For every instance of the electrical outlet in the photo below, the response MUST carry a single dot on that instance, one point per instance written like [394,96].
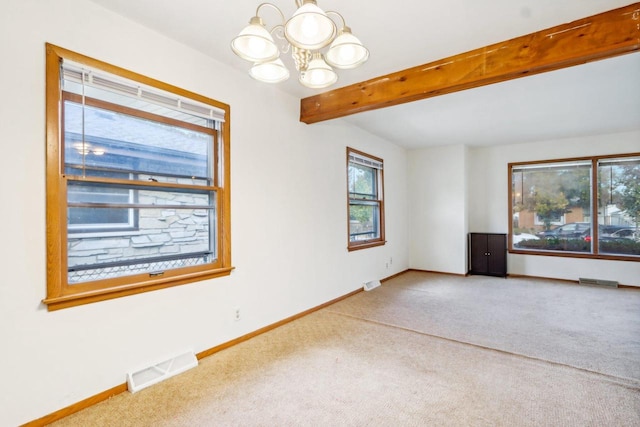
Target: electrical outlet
[390,260]
[387,265]
[236,313]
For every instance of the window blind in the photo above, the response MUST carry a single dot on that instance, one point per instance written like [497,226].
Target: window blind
[364,161]
[74,74]
[619,162]
[552,166]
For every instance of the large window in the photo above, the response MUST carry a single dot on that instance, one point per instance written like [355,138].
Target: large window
[365,195]
[137,183]
[580,207]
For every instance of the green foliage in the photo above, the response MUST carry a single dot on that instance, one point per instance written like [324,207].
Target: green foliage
[555,244]
[360,213]
[361,179]
[575,184]
[362,182]
[620,247]
[547,206]
[628,185]
[613,247]
[552,192]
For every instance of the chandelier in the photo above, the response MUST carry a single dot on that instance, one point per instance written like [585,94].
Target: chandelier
[307,32]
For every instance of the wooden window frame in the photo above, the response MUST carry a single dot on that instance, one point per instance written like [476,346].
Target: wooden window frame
[594,254]
[380,240]
[60,294]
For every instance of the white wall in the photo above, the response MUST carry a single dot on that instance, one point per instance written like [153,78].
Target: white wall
[286,177]
[488,202]
[289,216]
[438,209]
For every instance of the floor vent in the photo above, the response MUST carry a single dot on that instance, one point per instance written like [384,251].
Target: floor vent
[598,282]
[153,374]
[371,285]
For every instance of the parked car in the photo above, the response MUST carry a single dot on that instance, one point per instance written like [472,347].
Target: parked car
[605,232]
[572,230]
[623,234]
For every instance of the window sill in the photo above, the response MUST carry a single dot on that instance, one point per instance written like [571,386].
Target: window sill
[583,255]
[87,297]
[365,245]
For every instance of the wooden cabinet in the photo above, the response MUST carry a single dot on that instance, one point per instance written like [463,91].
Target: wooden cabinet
[488,254]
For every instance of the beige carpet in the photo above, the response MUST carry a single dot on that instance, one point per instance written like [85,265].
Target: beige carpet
[423,349]
[593,328]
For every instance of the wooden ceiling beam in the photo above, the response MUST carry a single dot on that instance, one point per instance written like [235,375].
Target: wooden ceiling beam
[597,37]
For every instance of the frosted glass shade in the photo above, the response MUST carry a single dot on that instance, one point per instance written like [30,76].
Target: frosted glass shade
[318,74]
[309,27]
[270,72]
[347,51]
[254,43]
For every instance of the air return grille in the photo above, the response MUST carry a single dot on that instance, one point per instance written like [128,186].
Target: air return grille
[371,285]
[156,372]
[598,282]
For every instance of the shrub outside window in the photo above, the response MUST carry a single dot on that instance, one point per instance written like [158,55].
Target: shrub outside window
[137,183]
[365,197]
[554,206]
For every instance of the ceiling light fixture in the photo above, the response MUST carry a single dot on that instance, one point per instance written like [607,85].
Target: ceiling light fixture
[307,32]
[85,149]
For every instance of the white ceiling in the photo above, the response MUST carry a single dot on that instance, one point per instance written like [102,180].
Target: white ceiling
[596,98]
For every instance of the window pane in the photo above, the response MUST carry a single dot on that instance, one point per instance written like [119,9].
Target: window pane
[364,221]
[83,219]
[166,228]
[118,141]
[176,225]
[167,238]
[362,182]
[551,207]
[619,206]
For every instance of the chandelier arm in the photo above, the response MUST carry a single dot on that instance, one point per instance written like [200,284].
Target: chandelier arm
[344,24]
[278,32]
[273,6]
[299,3]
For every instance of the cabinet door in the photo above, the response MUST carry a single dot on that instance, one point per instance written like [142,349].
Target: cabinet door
[478,253]
[497,255]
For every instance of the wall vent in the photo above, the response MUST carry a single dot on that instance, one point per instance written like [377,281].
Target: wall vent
[371,285]
[598,282]
[159,371]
